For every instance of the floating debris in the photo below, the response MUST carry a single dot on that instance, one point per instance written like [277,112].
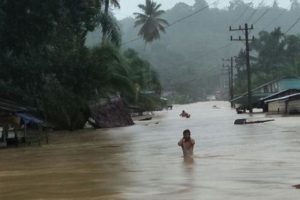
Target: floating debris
[146,119]
[246,121]
[297,186]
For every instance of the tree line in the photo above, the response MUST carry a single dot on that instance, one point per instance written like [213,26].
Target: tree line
[45,63]
[274,55]
[188,57]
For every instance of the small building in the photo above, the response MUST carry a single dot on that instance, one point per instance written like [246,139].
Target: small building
[276,96]
[266,90]
[289,104]
[18,126]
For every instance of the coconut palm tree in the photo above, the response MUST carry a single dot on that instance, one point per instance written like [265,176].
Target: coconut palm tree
[150,21]
[110,29]
[107,3]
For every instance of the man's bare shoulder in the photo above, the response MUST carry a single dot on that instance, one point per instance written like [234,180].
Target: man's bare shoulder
[180,142]
[192,141]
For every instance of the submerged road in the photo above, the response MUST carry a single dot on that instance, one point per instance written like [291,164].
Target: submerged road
[248,162]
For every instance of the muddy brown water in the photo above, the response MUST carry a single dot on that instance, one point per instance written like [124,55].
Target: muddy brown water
[257,161]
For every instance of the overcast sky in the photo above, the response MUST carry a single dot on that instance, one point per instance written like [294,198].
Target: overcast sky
[130,6]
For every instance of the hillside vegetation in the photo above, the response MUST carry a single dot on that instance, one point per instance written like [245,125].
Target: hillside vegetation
[188,58]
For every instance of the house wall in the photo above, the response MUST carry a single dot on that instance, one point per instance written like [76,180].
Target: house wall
[294,106]
[270,88]
[277,107]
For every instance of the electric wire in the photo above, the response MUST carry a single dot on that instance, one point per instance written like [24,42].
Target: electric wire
[262,15]
[274,20]
[243,13]
[176,21]
[254,12]
[292,26]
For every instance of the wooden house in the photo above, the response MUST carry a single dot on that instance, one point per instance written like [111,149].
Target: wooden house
[266,90]
[18,126]
[289,104]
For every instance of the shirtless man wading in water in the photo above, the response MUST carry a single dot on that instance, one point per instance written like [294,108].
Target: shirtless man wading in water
[187,143]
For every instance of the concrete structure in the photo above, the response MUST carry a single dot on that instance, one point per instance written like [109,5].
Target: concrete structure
[289,104]
[266,90]
[276,96]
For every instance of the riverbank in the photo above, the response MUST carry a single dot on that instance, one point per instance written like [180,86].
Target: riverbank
[144,162]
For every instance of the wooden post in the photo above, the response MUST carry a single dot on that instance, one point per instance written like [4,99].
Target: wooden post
[47,137]
[25,132]
[40,132]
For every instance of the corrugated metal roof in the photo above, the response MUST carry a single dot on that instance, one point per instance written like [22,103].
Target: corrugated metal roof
[285,98]
[263,85]
[281,92]
[29,119]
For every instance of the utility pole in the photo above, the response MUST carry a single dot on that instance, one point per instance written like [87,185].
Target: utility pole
[226,81]
[246,39]
[231,79]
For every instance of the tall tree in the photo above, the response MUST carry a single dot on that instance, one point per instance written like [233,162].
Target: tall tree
[150,21]
[107,3]
[275,4]
[295,5]
[200,4]
[44,62]
[110,29]
[237,4]
[270,48]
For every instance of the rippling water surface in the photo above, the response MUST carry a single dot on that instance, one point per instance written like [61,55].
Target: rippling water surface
[251,162]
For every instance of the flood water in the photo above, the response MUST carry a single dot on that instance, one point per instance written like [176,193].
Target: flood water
[249,162]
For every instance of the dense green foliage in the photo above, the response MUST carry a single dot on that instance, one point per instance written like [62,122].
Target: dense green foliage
[188,57]
[110,29]
[275,55]
[147,88]
[44,62]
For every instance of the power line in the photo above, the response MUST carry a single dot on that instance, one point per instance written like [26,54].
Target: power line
[274,20]
[190,15]
[215,50]
[176,21]
[208,53]
[130,41]
[291,27]
[262,15]
[243,13]
[277,17]
[204,55]
[254,12]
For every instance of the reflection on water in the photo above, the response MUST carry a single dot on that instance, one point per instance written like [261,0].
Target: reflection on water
[259,161]
[188,166]
[188,160]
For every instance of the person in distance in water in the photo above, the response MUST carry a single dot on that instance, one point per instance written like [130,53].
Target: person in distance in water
[187,143]
[185,114]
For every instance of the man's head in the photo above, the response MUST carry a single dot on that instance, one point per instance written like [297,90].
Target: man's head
[187,134]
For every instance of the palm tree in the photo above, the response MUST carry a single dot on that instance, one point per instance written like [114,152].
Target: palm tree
[110,29]
[114,3]
[150,21]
